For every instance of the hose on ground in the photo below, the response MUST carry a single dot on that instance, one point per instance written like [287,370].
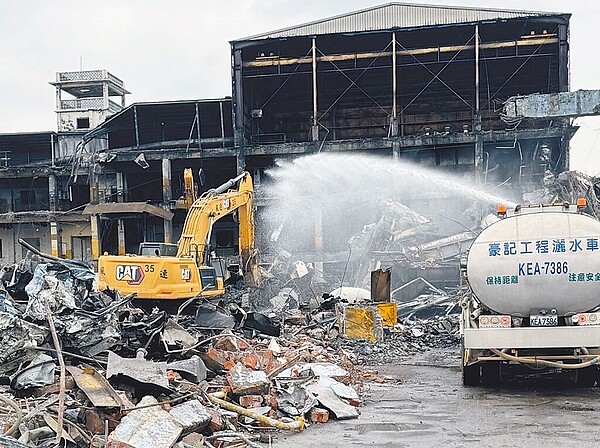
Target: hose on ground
[297,424]
[543,362]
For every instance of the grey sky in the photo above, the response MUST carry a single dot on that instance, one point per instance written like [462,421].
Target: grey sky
[179,49]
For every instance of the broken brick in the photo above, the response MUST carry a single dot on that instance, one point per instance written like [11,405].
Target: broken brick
[251,401]
[244,381]
[216,422]
[193,440]
[318,415]
[218,359]
[270,400]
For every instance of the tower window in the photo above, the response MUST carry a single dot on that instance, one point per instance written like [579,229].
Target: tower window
[83,123]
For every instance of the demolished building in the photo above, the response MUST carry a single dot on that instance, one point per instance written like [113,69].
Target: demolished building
[390,80]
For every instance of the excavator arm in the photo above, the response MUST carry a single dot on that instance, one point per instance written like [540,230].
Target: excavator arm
[189,190]
[212,206]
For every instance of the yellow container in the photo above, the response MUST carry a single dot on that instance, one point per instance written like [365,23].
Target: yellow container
[360,323]
[388,313]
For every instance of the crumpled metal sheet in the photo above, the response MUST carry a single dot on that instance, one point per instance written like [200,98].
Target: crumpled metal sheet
[8,442]
[175,334]
[331,401]
[40,372]
[148,427]
[325,369]
[315,369]
[207,316]
[286,299]
[7,304]
[139,369]
[194,366]
[45,291]
[89,333]
[340,389]
[295,400]
[15,334]
[52,423]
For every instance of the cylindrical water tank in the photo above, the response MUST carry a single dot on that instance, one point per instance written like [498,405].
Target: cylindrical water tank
[543,260]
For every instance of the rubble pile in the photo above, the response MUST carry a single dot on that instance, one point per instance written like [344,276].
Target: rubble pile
[92,369]
[429,320]
[568,186]
[409,338]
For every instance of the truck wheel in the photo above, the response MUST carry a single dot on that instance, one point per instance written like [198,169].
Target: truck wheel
[471,375]
[490,373]
[586,377]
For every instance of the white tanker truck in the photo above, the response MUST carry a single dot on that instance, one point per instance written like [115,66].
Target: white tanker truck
[531,295]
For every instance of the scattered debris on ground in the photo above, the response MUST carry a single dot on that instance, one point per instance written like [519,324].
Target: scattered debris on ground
[95,369]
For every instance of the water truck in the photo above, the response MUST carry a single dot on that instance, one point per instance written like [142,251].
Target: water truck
[530,295]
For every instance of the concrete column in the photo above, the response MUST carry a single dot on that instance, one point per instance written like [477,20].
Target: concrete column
[237,107]
[477,129]
[222,125]
[396,151]
[94,189]
[199,129]
[54,238]
[477,111]
[564,152]
[563,58]
[240,160]
[58,108]
[563,86]
[478,155]
[166,184]
[120,187]
[53,149]
[121,236]
[52,192]
[58,98]
[137,129]
[394,119]
[94,223]
[315,125]
[105,95]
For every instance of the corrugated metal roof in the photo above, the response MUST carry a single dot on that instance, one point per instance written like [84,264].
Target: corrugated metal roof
[395,16]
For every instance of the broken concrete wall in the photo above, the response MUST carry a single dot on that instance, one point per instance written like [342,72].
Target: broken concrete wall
[37,234]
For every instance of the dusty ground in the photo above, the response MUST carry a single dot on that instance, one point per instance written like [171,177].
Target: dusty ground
[429,407]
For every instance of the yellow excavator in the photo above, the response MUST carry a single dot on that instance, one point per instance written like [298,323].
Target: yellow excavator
[182,271]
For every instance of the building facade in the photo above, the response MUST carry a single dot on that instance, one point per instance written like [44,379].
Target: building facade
[408,82]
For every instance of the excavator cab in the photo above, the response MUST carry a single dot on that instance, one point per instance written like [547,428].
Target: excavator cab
[150,249]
